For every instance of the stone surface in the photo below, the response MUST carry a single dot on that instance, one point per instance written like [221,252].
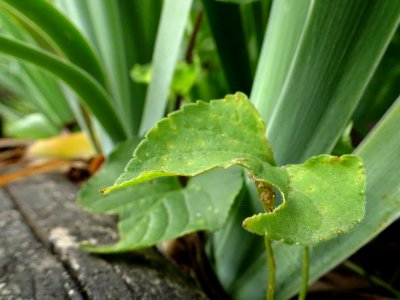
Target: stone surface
[43,224]
[27,269]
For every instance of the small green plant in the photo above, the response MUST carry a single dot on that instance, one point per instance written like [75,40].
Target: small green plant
[310,70]
[321,198]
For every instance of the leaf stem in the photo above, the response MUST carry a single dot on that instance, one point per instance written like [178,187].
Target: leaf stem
[304,275]
[271,269]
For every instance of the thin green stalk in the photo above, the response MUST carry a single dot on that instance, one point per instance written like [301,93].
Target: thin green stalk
[267,198]
[271,269]
[304,275]
[372,279]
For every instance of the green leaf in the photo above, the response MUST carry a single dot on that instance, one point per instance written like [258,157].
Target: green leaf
[141,73]
[316,83]
[107,27]
[237,1]
[91,93]
[380,152]
[227,29]
[344,145]
[183,80]
[169,39]
[315,194]
[61,31]
[200,137]
[326,198]
[184,77]
[34,126]
[289,24]
[160,210]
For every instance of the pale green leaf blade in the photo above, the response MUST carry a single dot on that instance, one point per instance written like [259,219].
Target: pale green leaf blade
[174,17]
[328,73]
[281,39]
[41,87]
[160,210]
[201,137]
[106,23]
[61,33]
[326,198]
[90,91]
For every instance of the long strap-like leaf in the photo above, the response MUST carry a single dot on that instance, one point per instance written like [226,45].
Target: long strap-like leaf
[169,38]
[61,32]
[91,93]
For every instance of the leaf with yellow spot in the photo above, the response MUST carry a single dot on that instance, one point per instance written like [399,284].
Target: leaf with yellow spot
[321,198]
[325,197]
[161,209]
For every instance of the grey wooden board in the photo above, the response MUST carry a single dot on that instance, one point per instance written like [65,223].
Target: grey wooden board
[47,203]
[27,269]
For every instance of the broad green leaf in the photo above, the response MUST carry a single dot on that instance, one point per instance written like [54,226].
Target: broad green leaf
[166,53]
[302,107]
[326,198]
[200,137]
[315,194]
[380,152]
[91,93]
[160,210]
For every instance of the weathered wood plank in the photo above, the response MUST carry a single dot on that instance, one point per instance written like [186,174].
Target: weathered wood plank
[48,204]
[27,269]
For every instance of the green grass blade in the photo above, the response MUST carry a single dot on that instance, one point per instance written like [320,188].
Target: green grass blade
[61,32]
[77,11]
[280,44]
[83,84]
[42,86]
[47,95]
[108,32]
[227,29]
[332,64]
[381,90]
[167,49]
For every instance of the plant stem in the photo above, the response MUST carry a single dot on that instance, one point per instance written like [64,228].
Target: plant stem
[271,269]
[304,275]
